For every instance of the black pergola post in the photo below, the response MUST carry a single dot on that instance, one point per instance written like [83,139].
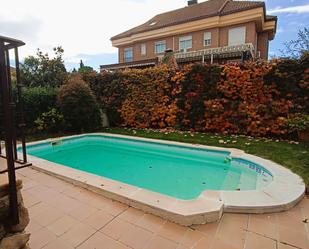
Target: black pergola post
[9,116]
[8,120]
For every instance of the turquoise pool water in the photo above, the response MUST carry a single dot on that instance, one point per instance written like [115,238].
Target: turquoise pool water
[172,170]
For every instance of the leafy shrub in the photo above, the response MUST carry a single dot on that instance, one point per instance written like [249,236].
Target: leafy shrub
[51,121]
[196,84]
[252,98]
[78,106]
[299,122]
[110,92]
[149,98]
[37,100]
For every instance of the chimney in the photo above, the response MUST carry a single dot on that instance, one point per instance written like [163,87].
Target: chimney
[192,2]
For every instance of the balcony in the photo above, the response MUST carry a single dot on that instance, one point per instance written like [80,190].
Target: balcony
[210,55]
[220,52]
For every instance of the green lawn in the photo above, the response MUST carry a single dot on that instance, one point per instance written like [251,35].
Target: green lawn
[291,155]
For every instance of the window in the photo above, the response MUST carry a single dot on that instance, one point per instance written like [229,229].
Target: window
[128,54]
[207,39]
[237,36]
[160,47]
[185,43]
[143,49]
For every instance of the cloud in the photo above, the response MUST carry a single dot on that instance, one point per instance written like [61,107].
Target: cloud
[301,9]
[79,27]
[26,28]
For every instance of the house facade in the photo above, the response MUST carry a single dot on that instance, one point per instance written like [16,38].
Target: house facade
[214,31]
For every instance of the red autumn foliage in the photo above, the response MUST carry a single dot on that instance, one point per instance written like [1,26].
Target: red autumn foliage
[254,98]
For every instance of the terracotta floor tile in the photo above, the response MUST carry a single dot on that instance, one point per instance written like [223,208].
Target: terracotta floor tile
[82,212]
[116,228]
[99,240]
[41,238]
[293,237]
[208,229]
[172,231]
[219,244]
[136,237]
[115,208]
[180,246]
[64,203]
[295,211]
[96,200]
[191,238]
[284,246]
[235,220]
[48,216]
[43,193]
[254,241]
[33,226]
[62,225]
[131,215]
[204,243]
[38,209]
[270,218]
[151,222]
[160,242]
[30,200]
[58,244]
[28,172]
[305,212]
[28,183]
[289,220]
[263,226]
[48,198]
[98,219]
[233,228]
[78,234]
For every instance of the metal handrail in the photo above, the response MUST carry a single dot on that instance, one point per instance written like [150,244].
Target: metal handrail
[219,50]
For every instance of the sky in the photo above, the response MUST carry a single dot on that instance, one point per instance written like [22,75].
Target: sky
[84,28]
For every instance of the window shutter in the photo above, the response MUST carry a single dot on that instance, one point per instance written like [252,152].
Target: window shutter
[237,36]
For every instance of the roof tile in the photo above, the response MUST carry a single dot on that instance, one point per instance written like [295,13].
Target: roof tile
[191,13]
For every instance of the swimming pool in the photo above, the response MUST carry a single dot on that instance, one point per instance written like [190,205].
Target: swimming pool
[177,171]
[184,183]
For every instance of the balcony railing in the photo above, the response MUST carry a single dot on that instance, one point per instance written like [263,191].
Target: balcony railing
[248,47]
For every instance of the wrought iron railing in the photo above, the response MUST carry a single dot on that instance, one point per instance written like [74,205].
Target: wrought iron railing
[12,120]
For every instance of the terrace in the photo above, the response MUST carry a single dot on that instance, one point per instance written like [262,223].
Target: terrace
[78,218]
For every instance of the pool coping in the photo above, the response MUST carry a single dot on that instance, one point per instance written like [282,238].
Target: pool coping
[284,192]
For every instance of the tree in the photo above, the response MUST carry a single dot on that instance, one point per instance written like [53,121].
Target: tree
[78,105]
[41,70]
[83,68]
[297,48]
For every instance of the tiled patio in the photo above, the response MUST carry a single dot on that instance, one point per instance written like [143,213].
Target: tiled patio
[64,216]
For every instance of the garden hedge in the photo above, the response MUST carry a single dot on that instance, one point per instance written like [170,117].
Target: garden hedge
[254,98]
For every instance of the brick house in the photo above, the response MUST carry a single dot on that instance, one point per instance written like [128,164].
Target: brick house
[214,31]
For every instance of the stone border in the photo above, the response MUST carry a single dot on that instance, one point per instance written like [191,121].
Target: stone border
[285,191]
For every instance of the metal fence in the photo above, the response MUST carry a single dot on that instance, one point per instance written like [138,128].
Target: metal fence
[12,120]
